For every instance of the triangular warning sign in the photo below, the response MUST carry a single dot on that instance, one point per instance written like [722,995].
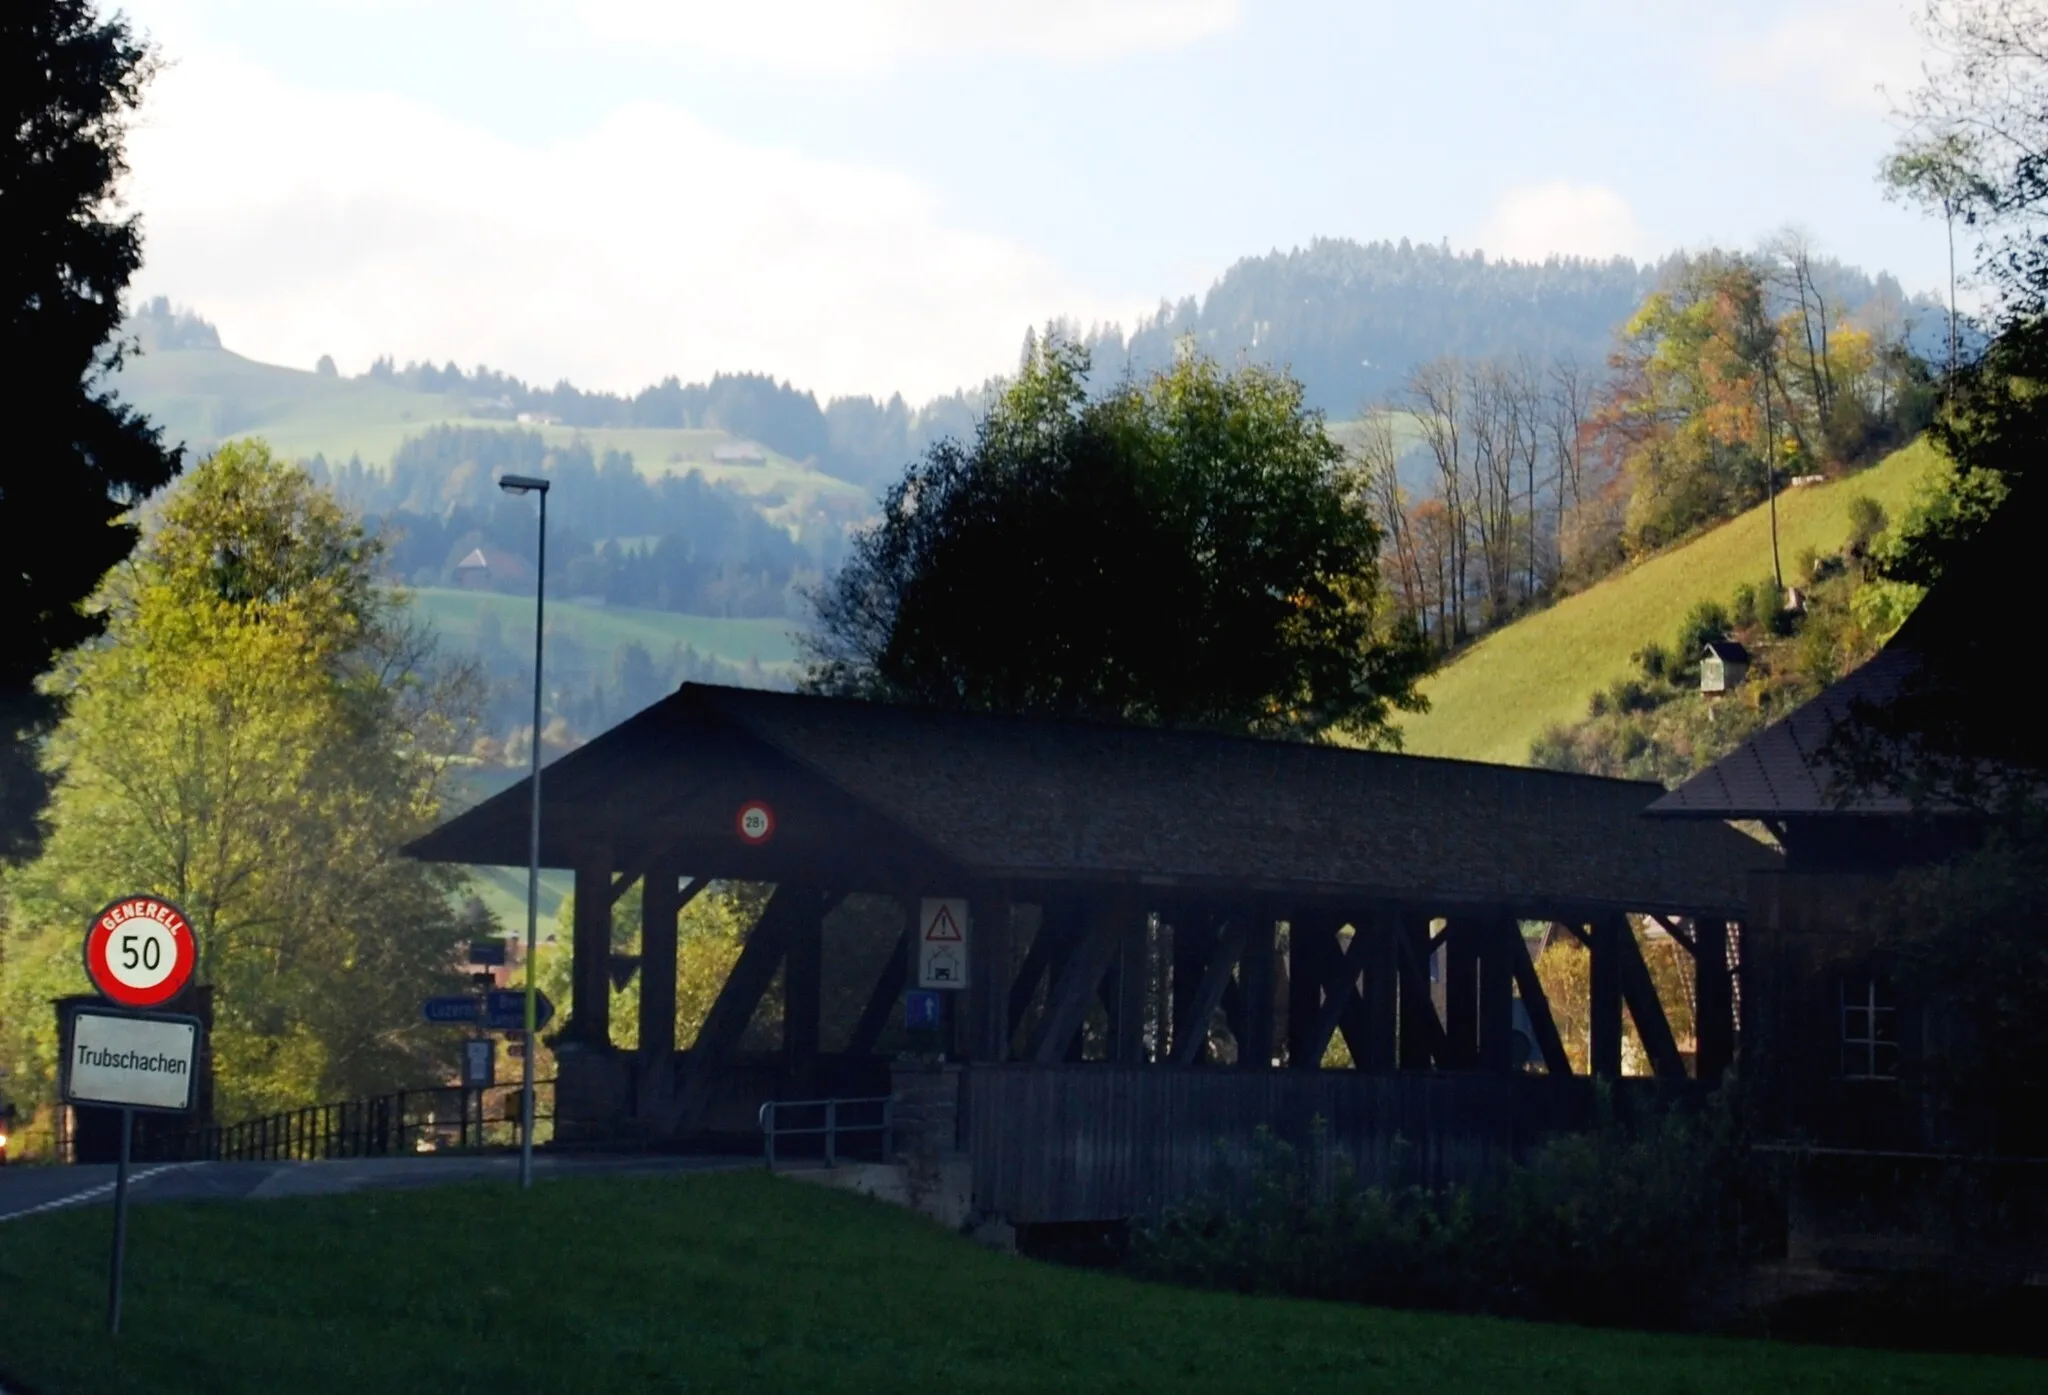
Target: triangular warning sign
[943,926]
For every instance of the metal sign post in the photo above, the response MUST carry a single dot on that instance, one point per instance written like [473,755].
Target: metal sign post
[134,1060]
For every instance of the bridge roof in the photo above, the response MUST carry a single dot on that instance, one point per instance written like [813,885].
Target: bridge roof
[870,796]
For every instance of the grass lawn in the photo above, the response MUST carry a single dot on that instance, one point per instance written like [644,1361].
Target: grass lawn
[739,1281]
[1496,698]
[600,629]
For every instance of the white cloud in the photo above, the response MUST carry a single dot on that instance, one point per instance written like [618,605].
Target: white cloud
[356,224]
[858,36]
[1558,219]
[1852,58]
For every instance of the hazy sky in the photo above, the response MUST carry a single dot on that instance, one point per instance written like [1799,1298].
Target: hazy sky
[868,195]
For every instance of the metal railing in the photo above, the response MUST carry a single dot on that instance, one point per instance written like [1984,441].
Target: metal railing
[830,1127]
[438,1118]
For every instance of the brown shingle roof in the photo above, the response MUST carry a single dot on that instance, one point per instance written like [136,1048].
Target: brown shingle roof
[1034,800]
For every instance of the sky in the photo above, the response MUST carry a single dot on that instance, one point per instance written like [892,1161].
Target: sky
[868,196]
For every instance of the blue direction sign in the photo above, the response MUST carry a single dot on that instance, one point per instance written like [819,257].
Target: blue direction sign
[464,1009]
[505,1010]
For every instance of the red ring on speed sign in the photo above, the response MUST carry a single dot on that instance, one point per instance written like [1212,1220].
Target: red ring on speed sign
[140,951]
[755,822]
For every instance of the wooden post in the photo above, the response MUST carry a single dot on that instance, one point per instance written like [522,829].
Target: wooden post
[1461,990]
[1421,1030]
[988,978]
[1713,1001]
[1605,994]
[1382,988]
[661,900]
[1191,1029]
[1311,954]
[803,992]
[590,951]
[1255,1047]
[1497,992]
[1133,978]
[1195,941]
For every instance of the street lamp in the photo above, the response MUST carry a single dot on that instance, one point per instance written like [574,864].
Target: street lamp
[528,484]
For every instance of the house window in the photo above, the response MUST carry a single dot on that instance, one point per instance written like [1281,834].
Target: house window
[1870,1030]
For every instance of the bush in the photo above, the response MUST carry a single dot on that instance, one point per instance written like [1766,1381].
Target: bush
[1705,622]
[1657,662]
[1623,1223]
[1866,520]
[1743,614]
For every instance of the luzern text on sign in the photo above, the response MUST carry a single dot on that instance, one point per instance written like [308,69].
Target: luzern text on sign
[135,1061]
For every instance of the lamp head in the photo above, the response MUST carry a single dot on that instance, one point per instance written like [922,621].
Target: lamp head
[522,484]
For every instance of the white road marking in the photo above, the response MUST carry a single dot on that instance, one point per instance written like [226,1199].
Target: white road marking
[94,1193]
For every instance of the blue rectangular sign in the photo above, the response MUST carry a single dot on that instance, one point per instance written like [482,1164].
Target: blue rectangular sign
[463,1009]
[505,1010]
[920,1010]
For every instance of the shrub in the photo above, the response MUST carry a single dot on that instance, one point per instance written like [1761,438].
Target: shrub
[1657,662]
[1743,614]
[1866,520]
[1706,621]
[1623,1223]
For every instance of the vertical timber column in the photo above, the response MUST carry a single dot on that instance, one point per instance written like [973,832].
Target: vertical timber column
[660,898]
[1605,993]
[1256,984]
[590,950]
[1497,993]
[1133,981]
[1462,939]
[1382,985]
[1311,946]
[1418,1008]
[1713,1001]
[988,978]
[803,993]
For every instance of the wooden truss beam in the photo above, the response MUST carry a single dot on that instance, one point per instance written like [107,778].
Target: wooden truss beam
[1639,990]
[888,989]
[1422,1031]
[1536,1003]
[1076,985]
[782,920]
[1191,1029]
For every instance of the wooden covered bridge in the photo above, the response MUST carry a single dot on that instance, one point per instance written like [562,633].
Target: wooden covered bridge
[1168,932]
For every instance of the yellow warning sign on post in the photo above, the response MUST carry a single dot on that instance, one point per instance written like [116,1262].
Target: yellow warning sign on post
[942,942]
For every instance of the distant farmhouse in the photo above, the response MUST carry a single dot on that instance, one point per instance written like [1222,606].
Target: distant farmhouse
[739,453]
[538,419]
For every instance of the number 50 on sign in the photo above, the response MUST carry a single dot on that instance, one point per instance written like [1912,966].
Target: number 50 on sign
[139,951]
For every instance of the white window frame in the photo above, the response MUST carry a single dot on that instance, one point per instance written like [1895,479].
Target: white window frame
[1871,996]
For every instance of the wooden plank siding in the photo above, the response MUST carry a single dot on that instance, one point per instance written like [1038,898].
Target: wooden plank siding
[1097,1142]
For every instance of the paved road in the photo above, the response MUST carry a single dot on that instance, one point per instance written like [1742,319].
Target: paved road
[27,1191]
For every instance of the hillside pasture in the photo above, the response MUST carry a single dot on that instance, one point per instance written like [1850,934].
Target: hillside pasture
[598,630]
[1495,699]
[202,397]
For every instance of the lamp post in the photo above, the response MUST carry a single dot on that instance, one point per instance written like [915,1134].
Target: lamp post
[528,484]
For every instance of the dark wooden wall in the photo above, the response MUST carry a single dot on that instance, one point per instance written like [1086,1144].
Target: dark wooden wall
[1100,1142]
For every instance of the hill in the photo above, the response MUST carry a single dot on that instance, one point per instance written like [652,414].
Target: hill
[737,1282]
[1496,698]
[203,394]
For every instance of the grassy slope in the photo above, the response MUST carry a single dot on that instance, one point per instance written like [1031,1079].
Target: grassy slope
[744,1282]
[203,396]
[602,629]
[1495,699]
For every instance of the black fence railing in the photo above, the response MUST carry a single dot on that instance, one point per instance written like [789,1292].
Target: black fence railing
[438,1118]
[828,1121]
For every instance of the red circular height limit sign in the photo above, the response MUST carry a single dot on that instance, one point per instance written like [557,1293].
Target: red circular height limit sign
[140,952]
[756,822]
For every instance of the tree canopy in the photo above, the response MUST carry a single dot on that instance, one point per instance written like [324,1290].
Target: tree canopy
[1185,550]
[69,82]
[258,736]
